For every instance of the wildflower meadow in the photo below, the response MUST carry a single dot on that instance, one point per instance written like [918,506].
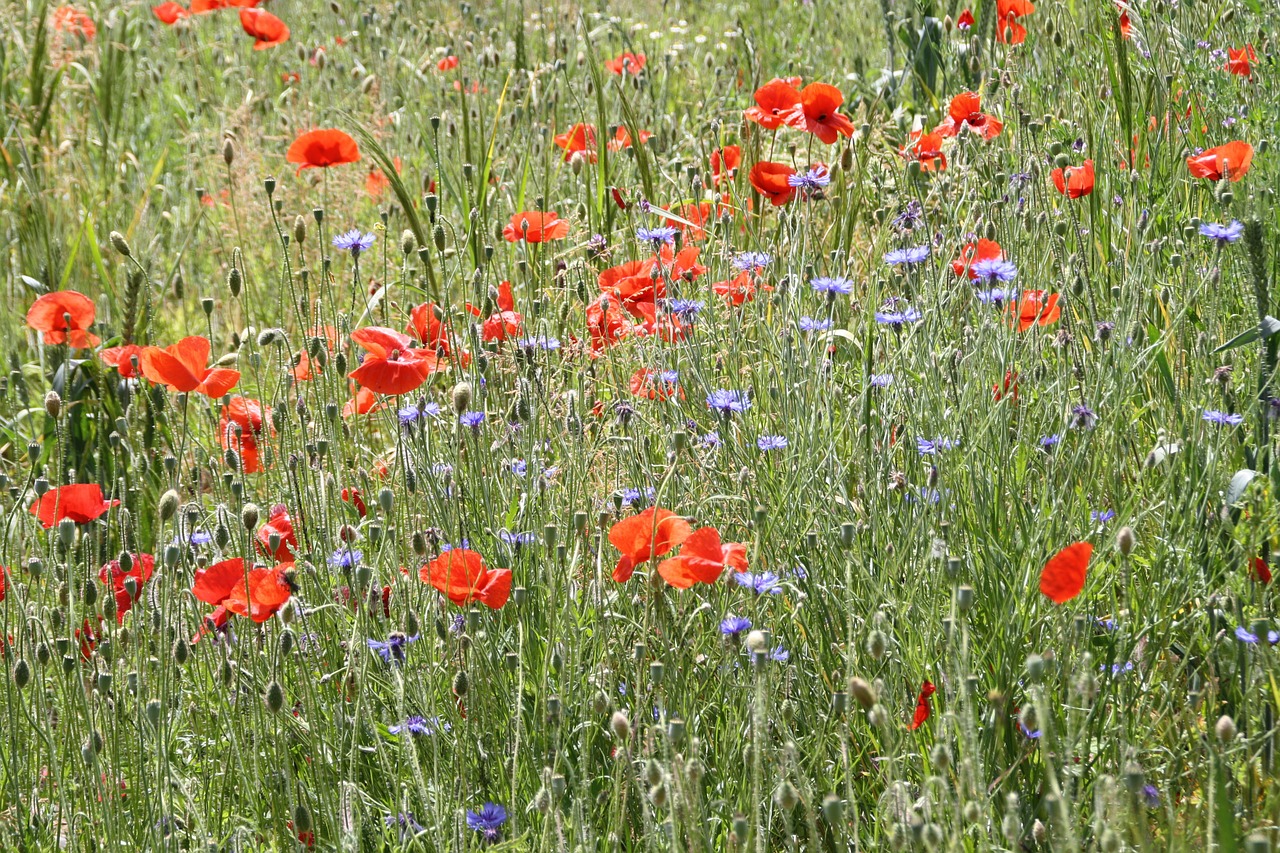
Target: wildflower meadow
[683,426]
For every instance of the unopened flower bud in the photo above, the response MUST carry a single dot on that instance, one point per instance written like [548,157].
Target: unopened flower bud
[621,725]
[1125,540]
[1225,729]
[53,404]
[119,243]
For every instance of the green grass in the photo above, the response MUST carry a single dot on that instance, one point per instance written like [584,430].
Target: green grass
[895,567]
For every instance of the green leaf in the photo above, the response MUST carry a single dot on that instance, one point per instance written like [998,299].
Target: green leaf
[1270,327]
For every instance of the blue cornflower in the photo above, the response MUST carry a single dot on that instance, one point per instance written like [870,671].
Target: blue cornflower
[1106,624]
[811,181]
[633,495]
[408,414]
[518,467]
[345,557]
[888,316]
[909,255]
[1083,417]
[747,261]
[930,447]
[669,377]
[488,820]
[657,236]
[1151,796]
[732,626]
[711,439]
[518,539]
[1118,668]
[539,342]
[1048,442]
[393,648]
[728,402]
[832,286]
[441,469]
[764,582]
[880,380]
[686,309]
[809,324]
[420,725]
[910,216]
[1102,516]
[354,242]
[409,827]
[471,419]
[1213,416]
[995,269]
[200,537]
[780,654]
[771,442]
[1032,734]
[997,296]
[1223,234]
[1245,636]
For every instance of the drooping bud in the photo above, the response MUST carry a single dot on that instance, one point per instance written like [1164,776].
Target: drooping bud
[120,244]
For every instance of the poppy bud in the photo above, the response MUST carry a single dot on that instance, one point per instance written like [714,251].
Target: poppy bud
[1125,540]
[1225,729]
[21,674]
[462,397]
[756,641]
[234,280]
[863,693]
[460,684]
[53,404]
[66,531]
[152,711]
[576,161]
[620,725]
[877,645]
[438,236]
[168,505]
[119,243]
[249,516]
[181,651]
[274,697]
[229,152]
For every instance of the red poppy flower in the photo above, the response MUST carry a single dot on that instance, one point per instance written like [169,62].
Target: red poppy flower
[353,497]
[391,366]
[1238,61]
[113,575]
[1010,387]
[122,359]
[181,367]
[725,162]
[622,138]
[972,253]
[1074,181]
[703,559]
[607,323]
[266,28]
[319,149]
[1232,160]
[64,317]
[279,525]
[632,281]
[818,113]
[1126,26]
[1008,30]
[925,149]
[1035,308]
[68,19]
[775,102]
[258,594]
[770,180]
[627,63]
[376,183]
[965,21]
[965,111]
[1062,578]
[923,710]
[447,64]
[425,323]
[460,574]
[239,429]
[505,321]
[4,581]
[170,12]
[362,402]
[81,503]
[535,227]
[737,290]
[1260,571]
[652,533]
[308,368]
[579,138]
[649,383]
[683,264]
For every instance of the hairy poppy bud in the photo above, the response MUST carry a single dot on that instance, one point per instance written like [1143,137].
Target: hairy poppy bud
[168,505]
[153,709]
[863,693]
[228,151]
[1225,729]
[1125,540]
[249,516]
[620,725]
[877,644]
[274,697]
[21,674]
[120,244]
[462,397]
[234,280]
[438,236]
[408,242]
[53,404]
